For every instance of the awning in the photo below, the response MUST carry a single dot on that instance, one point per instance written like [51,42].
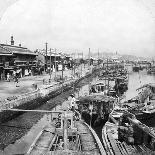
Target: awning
[27,53]
[9,68]
[90,98]
[19,61]
[5,54]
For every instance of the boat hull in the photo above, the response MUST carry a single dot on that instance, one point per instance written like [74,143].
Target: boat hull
[94,120]
[144,116]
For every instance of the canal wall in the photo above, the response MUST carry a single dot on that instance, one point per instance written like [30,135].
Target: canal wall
[35,98]
[32,100]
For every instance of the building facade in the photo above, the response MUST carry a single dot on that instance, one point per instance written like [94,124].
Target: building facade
[17,60]
[52,60]
[6,63]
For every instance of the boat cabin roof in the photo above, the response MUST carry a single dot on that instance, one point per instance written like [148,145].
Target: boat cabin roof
[147,85]
[99,82]
[120,78]
[98,98]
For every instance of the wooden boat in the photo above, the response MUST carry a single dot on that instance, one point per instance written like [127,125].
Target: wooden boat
[136,68]
[100,86]
[143,105]
[66,134]
[128,136]
[95,108]
[121,85]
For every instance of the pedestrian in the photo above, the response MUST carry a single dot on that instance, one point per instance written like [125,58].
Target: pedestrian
[16,81]
[8,77]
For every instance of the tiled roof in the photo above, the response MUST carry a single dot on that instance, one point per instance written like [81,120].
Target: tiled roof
[43,52]
[17,49]
[4,51]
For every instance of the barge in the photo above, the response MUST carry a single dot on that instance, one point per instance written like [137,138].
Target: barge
[128,136]
[66,135]
[143,105]
[95,108]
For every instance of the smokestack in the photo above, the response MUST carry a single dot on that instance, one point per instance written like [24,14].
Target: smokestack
[20,45]
[12,41]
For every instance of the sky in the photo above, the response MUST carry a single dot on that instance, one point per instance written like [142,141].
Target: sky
[125,26]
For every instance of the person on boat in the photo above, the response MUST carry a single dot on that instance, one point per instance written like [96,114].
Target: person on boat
[73,102]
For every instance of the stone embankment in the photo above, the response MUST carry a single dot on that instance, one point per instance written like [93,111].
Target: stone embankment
[35,98]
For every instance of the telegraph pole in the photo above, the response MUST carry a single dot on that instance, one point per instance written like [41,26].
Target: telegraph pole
[62,62]
[98,57]
[81,64]
[55,64]
[89,71]
[46,56]
[50,64]
[89,59]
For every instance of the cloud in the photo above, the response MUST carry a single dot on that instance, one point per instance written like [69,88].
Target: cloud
[123,26]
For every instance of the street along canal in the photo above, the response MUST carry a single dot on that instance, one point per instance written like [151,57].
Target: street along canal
[14,131]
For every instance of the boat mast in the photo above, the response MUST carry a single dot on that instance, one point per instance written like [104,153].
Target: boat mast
[65,127]
[90,106]
[107,77]
[98,62]
[108,74]
[89,70]
[74,72]
[55,64]
[81,64]
[98,58]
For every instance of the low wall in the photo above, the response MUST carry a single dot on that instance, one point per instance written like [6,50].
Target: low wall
[36,98]
[32,100]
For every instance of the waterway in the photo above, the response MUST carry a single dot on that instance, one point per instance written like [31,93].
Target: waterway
[29,124]
[136,80]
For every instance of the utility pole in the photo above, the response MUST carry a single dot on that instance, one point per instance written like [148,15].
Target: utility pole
[81,63]
[98,57]
[74,65]
[62,67]
[55,64]
[50,65]
[62,61]
[46,56]
[89,60]
[89,71]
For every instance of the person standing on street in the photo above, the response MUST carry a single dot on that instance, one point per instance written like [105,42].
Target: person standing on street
[8,77]
[16,81]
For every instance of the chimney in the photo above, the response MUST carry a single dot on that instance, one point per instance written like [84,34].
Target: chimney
[12,41]
[20,45]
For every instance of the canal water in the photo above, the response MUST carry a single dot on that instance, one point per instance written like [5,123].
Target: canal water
[26,126]
[136,80]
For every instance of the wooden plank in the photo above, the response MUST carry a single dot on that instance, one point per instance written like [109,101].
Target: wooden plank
[52,143]
[34,142]
[128,148]
[106,142]
[114,145]
[122,149]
